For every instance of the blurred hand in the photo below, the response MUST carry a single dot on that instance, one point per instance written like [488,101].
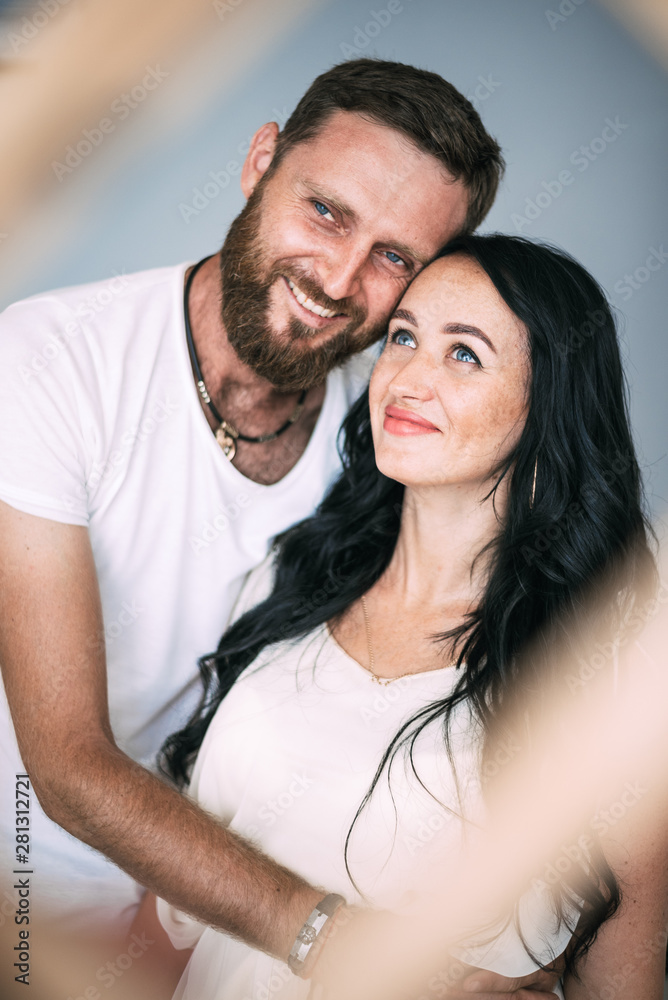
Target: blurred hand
[356,950]
[483,985]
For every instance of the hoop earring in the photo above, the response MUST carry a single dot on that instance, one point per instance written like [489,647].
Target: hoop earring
[533,485]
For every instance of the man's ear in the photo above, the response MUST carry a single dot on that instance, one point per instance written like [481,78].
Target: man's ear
[260,155]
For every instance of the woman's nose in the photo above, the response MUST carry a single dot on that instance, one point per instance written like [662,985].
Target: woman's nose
[415,378]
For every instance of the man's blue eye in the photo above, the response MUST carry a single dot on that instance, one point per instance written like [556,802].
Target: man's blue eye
[393,257]
[463,354]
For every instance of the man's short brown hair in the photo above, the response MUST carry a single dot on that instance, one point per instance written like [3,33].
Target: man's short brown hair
[420,104]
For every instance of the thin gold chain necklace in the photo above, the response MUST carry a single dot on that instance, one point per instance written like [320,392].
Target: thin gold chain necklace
[384,681]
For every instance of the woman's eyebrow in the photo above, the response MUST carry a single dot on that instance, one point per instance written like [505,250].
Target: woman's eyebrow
[472,330]
[404,314]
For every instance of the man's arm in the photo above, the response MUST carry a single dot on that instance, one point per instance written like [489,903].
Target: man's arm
[53,666]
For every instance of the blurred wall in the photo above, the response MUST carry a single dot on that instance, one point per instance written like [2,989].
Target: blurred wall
[578,106]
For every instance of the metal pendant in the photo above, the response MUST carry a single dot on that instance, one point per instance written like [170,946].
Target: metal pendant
[226,436]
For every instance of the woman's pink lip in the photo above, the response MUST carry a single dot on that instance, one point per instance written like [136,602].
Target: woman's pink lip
[404,422]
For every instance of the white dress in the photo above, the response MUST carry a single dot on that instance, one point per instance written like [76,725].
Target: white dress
[287,760]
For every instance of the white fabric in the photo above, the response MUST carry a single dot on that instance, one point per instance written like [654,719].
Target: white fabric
[286,761]
[101,426]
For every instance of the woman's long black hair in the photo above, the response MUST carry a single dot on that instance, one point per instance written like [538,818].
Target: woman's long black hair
[574,516]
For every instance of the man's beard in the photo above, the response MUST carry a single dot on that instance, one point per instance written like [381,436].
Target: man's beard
[288,360]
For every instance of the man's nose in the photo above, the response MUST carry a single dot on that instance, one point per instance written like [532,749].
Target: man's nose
[340,273]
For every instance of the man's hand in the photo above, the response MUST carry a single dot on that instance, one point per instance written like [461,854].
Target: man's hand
[364,947]
[483,985]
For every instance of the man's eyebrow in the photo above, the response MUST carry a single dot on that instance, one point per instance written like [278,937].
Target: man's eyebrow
[473,331]
[402,249]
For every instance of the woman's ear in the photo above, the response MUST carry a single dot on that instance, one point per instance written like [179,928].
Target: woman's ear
[259,156]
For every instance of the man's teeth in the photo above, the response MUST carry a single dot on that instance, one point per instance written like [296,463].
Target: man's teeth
[309,304]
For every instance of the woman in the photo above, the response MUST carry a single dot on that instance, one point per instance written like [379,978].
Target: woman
[397,615]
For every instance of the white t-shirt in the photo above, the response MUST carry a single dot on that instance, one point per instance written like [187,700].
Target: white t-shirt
[101,425]
[287,760]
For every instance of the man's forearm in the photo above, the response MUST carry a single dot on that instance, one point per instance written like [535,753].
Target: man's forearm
[175,849]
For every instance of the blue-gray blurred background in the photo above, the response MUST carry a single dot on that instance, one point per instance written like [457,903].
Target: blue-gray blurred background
[561,84]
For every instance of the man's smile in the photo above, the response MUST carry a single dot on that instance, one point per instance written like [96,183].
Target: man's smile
[309,304]
[311,307]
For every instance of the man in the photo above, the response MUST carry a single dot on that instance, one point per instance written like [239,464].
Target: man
[132,505]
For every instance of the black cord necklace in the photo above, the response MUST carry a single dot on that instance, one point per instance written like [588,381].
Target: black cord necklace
[226,433]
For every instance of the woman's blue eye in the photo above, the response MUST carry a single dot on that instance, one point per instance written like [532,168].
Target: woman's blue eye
[321,209]
[403,338]
[463,354]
